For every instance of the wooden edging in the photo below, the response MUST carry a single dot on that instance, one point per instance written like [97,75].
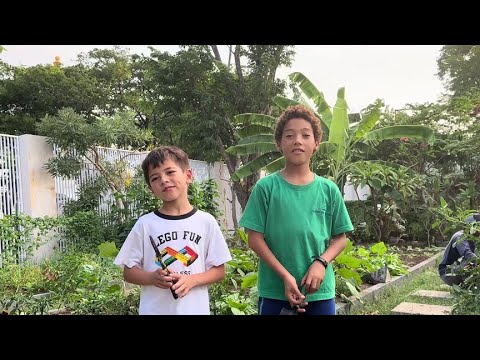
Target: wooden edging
[373,292]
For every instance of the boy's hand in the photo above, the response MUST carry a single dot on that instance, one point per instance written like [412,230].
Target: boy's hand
[182,283]
[314,277]
[161,279]
[293,294]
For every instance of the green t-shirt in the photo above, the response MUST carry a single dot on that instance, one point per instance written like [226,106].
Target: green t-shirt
[297,222]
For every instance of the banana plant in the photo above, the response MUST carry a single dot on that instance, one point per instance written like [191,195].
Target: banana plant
[339,136]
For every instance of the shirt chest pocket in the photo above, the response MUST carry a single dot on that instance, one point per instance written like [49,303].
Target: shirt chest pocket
[323,217]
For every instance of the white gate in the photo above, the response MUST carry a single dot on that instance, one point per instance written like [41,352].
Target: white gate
[10,179]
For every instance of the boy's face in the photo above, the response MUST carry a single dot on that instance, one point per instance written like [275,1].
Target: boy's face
[169,182]
[298,142]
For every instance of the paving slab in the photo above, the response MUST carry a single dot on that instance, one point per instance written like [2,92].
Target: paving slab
[433,294]
[408,308]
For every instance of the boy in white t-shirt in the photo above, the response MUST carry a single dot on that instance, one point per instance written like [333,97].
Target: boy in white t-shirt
[175,252]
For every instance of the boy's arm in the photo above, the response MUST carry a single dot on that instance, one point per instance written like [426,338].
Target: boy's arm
[464,249]
[316,272]
[257,243]
[337,244]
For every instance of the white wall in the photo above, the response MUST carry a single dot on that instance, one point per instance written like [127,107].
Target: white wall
[38,186]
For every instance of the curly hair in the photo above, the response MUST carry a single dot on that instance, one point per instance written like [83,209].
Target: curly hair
[298,112]
[157,156]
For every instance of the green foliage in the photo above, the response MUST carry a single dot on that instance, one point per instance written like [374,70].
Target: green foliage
[108,250]
[84,231]
[454,220]
[89,197]
[354,263]
[30,93]
[78,140]
[459,66]
[76,282]
[237,293]
[467,296]
[15,278]
[21,235]
[88,284]
[204,195]
[391,188]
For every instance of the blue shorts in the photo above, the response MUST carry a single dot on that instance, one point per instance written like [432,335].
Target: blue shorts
[274,307]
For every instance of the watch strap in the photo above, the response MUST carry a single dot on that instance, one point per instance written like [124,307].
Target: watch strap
[322,261]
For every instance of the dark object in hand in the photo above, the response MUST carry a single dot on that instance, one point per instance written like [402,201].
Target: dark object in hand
[164,267]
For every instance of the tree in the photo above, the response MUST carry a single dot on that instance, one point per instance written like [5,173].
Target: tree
[195,96]
[78,139]
[339,140]
[27,94]
[459,66]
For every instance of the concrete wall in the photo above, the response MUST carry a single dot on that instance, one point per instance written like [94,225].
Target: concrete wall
[38,186]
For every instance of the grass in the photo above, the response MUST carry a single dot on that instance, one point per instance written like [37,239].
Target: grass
[426,280]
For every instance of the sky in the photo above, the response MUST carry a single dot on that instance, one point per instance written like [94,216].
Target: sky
[398,74]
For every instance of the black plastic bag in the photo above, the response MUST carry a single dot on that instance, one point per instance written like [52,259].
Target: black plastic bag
[382,275]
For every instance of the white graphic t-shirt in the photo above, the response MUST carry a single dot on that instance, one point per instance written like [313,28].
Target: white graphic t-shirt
[188,244]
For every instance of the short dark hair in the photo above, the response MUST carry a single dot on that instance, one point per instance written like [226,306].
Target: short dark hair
[157,156]
[295,112]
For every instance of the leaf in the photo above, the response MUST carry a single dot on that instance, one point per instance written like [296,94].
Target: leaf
[255,119]
[108,249]
[255,165]
[236,311]
[252,148]
[313,94]
[349,274]
[275,165]
[348,260]
[326,148]
[259,138]
[353,289]
[249,281]
[338,129]
[399,131]
[379,248]
[443,203]
[284,102]
[254,129]
[368,122]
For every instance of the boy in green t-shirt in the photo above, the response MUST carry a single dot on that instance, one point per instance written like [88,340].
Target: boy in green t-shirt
[296,223]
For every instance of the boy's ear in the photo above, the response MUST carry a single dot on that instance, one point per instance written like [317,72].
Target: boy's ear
[189,175]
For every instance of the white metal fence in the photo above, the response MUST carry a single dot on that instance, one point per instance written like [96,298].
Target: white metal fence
[10,179]
[67,189]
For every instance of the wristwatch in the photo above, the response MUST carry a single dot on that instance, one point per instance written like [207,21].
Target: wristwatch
[322,261]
